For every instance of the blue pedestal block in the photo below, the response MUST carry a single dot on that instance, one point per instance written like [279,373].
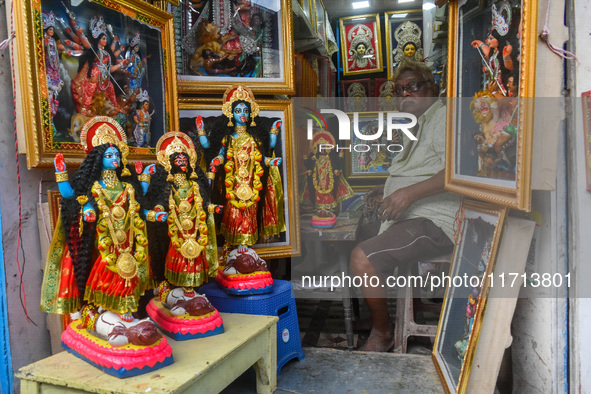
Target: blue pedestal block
[279,302]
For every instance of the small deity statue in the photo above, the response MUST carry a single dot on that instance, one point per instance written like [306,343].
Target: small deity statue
[53,49]
[98,266]
[136,65]
[329,186]
[495,70]
[496,139]
[253,197]
[142,119]
[181,214]
[95,75]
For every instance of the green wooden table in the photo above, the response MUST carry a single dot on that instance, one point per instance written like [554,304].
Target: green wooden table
[205,365]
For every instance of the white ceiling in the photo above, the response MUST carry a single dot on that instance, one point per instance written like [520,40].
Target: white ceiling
[340,8]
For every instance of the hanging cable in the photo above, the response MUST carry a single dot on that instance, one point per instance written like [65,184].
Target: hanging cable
[545,36]
[19,247]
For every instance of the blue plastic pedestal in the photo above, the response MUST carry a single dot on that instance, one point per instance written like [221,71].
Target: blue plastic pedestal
[279,302]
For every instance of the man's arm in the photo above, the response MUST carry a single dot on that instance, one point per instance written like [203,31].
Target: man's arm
[394,205]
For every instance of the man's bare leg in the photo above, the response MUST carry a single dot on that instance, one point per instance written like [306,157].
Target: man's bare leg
[381,338]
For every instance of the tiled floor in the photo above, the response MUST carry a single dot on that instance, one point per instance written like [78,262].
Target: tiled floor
[329,368]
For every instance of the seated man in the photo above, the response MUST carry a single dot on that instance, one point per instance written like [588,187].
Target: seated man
[416,212]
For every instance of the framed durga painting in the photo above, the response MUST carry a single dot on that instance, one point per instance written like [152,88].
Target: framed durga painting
[80,59]
[361,44]
[491,63]
[287,243]
[225,42]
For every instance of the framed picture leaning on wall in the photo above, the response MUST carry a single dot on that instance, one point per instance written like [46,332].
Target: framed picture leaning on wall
[464,306]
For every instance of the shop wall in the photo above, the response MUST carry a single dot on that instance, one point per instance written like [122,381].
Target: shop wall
[579,203]
[29,342]
[540,324]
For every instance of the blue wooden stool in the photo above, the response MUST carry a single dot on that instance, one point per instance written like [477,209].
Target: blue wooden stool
[279,302]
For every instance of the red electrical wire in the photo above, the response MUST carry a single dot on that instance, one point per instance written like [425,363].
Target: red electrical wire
[3,45]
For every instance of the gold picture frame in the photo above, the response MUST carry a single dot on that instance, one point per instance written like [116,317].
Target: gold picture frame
[463,309]
[393,20]
[490,112]
[259,55]
[358,31]
[51,108]
[289,244]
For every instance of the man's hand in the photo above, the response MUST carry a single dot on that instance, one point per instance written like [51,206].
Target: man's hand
[394,205]
[374,197]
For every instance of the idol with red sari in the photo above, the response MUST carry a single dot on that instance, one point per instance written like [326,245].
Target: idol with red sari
[98,265]
[250,188]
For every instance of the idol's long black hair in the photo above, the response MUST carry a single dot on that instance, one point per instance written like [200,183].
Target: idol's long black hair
[158,194]
[82,247]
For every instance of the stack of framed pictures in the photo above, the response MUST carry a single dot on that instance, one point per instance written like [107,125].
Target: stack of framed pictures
[490,90]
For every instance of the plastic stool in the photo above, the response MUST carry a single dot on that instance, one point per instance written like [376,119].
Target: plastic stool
[279,302]
[405,308]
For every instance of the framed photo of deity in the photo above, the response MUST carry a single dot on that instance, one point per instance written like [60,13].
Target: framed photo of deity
[491,74]
[225,42]
[369,160]
[361,44]
[288,242]
[460,322]
[77,60]
[404,30]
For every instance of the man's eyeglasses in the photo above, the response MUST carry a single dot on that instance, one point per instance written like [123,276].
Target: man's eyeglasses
[412,87]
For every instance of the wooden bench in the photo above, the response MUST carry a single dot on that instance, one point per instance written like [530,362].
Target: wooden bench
[205,365]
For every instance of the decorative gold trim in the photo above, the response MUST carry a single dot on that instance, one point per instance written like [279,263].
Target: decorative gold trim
[290,179]
[501,213]
[151,216]
[61,177]
[258,87]
[377,40]
[520,196]
[144,178]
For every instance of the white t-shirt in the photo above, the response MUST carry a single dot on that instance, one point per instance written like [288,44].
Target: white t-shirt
[420,160]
